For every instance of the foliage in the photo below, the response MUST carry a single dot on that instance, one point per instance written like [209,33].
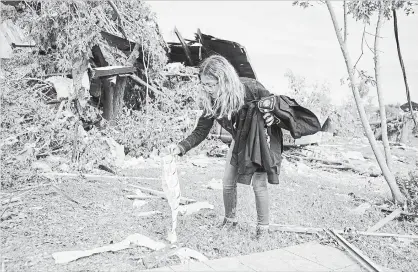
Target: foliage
[363,10]
[7,12]
[409,187]
[67,30]
[316,97]
[302,4]
[168,119]
[347,120]
[28,126]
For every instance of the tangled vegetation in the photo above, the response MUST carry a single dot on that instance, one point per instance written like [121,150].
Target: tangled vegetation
[36,129]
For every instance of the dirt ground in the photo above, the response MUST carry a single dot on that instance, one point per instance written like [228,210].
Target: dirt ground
[44,221]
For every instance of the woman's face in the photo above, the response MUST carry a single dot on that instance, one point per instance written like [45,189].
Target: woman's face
[209,85]
[208,82]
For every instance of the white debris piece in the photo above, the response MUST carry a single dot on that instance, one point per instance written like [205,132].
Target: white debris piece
[136,239]
[214,184]
[171,188]
[194,207]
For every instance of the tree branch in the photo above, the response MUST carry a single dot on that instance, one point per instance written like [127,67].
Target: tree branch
[362,43]
[368,46]
[345,21]
[115,9]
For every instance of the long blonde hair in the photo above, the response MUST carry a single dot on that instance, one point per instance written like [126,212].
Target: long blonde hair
[228,95]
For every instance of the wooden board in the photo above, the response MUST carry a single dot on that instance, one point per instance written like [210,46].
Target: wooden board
[108,71]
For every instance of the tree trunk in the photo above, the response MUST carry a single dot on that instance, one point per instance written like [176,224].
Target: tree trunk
[390,178]
[408,95]
[379,88]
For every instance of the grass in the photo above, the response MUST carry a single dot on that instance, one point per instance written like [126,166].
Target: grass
[45,222]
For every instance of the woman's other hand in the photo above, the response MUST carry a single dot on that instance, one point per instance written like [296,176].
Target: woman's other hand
[174,149]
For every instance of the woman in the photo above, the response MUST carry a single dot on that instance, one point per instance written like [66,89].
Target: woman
[222,95]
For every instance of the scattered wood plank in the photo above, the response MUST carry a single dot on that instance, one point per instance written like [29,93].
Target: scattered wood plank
[402,213]
[312,230]
[183,200]
[141,197]
[385,220]
[185,46]
[297,229]
[108,71]
[356,253]
[52,175]
[382,234]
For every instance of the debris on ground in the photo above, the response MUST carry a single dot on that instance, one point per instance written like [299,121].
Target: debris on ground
[186,254]
[194,207]
[134,239]
[214,184]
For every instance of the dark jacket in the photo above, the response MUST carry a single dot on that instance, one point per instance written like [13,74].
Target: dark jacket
[253,152]
[286,111]
[253,91]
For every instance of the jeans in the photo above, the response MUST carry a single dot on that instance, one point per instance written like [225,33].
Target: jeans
[259,183]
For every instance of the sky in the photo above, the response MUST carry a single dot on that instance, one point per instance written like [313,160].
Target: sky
[281,37]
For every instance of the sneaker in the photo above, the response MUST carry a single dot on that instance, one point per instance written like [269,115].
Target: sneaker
[262,231]
[228,223]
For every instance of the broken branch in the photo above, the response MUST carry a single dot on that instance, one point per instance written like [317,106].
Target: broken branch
[143,83]
[362,43]
[64,194]
[115,9]
[385,220]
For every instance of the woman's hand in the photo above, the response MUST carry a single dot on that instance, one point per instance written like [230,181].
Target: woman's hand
[268,119]
[174,149]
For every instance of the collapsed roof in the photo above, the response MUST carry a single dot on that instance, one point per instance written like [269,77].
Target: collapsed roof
[193,52]
[405,107]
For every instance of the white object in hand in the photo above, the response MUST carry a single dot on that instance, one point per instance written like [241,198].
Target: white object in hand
[171,188]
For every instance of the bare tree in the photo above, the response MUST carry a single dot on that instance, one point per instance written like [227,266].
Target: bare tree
[390,178]
[379,87]
[408,95]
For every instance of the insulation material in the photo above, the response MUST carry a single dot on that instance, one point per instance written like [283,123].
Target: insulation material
[171,188]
